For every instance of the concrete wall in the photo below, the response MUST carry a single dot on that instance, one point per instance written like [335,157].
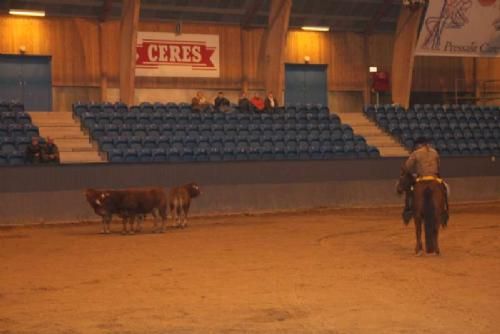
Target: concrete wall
[54,193]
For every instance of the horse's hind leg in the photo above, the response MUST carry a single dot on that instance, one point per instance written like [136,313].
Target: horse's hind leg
[418,232]
[436,234]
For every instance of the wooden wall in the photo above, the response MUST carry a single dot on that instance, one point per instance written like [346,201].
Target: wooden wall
[74,46]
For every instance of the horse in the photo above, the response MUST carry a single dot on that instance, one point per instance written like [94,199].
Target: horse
[429,201]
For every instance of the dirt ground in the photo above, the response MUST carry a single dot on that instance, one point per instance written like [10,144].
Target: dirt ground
[337,271]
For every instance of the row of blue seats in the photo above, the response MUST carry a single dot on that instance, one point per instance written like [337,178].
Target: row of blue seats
[457,117]
[11,107]
[447,134]
[450,127]
[440,108]
[89,119]
[9,144]
[12,158]
[153,130]
[106,143]
[228,154]
[16,130]
[433,122]
[80,108]
[10,117]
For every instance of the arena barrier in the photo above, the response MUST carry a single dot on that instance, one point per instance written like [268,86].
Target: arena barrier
[46,194]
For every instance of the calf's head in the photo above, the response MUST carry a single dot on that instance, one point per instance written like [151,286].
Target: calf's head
[193,189]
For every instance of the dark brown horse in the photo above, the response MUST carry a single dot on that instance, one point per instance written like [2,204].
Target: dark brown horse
[428,208]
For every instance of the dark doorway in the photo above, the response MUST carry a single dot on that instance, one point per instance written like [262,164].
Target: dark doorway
[306,84]
[26,79]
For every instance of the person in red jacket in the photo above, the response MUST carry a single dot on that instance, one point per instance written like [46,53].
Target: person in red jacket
[257,102]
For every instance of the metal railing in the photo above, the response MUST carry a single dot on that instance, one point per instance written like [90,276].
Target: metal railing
[479,90]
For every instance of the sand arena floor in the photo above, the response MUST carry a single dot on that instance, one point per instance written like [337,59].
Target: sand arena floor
[338,271]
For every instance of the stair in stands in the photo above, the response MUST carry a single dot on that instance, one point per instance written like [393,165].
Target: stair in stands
[74,145]
[361,125]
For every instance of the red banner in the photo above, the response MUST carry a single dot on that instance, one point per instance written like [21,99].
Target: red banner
[151,54]
[163,54]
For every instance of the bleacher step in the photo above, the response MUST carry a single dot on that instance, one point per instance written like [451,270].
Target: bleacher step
[374,136]
[74,145]
[80,157]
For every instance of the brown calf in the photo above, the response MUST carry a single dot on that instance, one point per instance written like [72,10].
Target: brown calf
[129,204]
[179,200]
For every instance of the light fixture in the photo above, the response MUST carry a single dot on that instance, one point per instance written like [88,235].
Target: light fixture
[25,12]
[312,28]
[373,69]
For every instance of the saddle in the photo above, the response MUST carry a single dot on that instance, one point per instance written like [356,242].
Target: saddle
[429,178]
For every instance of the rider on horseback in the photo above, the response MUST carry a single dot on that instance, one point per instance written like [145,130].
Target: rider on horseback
[424,162]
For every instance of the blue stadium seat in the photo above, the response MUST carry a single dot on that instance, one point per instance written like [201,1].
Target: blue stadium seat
[111,130]
[4,157]
[145,155]
[126,130]
[106,143]
[373,152]
[22,143]
[95,108]
[139,130]
[120,142]
[16,158]
[150,142]
[8,117]
[131,155]
[215,153]
[4,130]
[7,144]
[174,154]
[80,109]
[115,155]
[130,118]
[159,154]
[121,107]
[143,118]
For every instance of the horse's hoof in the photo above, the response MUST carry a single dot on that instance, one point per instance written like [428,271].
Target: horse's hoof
[108,232]
[419,253]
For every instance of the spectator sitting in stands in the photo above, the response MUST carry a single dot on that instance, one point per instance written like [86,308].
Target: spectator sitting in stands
[33,154]
[270,103]
[244,103]
[50,152]
[221,103]
[199,102]
[257,102]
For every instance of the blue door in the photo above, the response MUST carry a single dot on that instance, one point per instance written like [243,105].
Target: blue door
[26,79]
[306,84]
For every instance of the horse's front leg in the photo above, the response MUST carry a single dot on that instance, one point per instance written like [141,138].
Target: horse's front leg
[418,232]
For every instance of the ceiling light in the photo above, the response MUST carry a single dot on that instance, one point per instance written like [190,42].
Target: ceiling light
[312,28]
[25,12]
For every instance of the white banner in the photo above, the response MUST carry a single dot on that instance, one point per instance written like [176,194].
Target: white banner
[464,28]
[162,54]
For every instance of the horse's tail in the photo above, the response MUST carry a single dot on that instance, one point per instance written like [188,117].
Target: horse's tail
[429,220]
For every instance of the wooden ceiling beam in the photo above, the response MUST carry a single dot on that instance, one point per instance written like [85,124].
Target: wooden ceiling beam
[250,13]
[381,12]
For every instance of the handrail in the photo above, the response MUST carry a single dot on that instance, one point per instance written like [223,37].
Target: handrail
[480,89]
